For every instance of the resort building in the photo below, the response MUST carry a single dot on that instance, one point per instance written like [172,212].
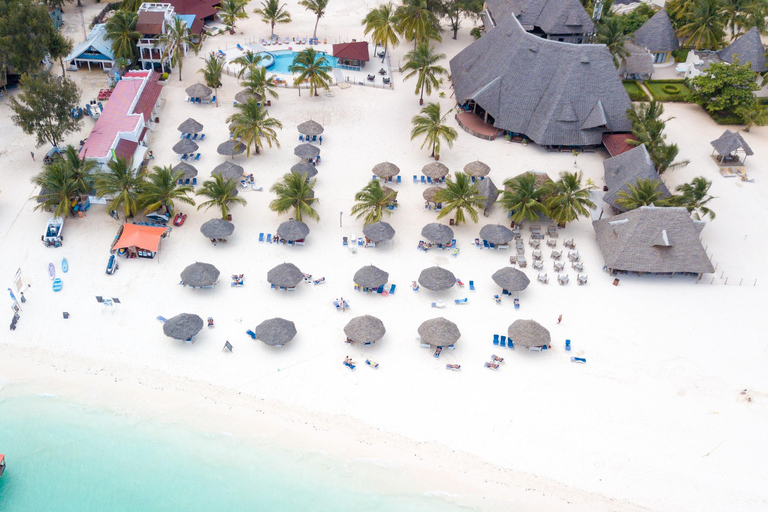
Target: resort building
[747,48]
[658,37]
[202,10]
[559,95]
[638,64]
[624,170]
[653,240]
[558,20]
[95,50]
[352,55]
[130,112]
[154,21]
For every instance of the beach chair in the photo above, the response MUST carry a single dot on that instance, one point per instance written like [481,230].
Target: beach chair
[453,367]
[194,182]
[472,286]
[423,180]
[320,141]
[534,349]
[261,237]
[496,339]
[567,345]
[182,157]
[372,364]
[202,137]
[459,302]
[438,351]
[415,179]
[301,138]
[359,242]
[251,334]
[269,238]
[392,289]
[503,341]
[497,299]
[459,282]
[578,360]
[516,302]
[562,279]
[455,252]
[222,53]
[581,279]
[182,135]
[186,181]
[351,366]
[159,317]
[491,366]
[438,304]
[194,137]
[240,47]
[344,241]
[543,278]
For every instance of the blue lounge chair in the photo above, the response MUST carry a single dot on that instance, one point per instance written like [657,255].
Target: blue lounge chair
[472,286]
[380,289]
[485,244]
[320,139]
[183,157]
[423,180]
[314,138]
[213,100]
[197,157]
[495,339]
[437,353]
[240,47]
[202,137]
[194,137]
[301,138]
[194,182]
[392,289]
[189,135]
[162,318]
[373,177]
[578,360]
[503,341]
[183,135]
[345,241]
[186,181]
[349,365]
[399,179]
[510,344]
[497,299]
[251,334]
[459,302]
[490,244]
[336,303]
[415,179]
[181,182]
[261,237]
[567,345]
[269,238]
[222,53]
[429,180]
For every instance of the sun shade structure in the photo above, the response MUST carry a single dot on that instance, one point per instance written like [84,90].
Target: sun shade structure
[429,193]
[435,170]
[190,126]
[310,128]
[185,147]
[378,232]
[365,329]
[439,332]
[436,278]
[286,275]
[198,90]
[528,333]
[625,169]
[140,237]
[188,170]
[183,327]
[293,230]
[477,169]
[231,148]
[657,35]
[730,144]
[217,228]
[308,170]
[437,233]
[275,332]
[200,275]
[511,279]
[306,151]
[229,171]
[371,277]
[488,190]
[244,95]
[496,233]
[386,170]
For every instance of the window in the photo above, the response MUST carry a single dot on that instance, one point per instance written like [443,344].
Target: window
[659,58]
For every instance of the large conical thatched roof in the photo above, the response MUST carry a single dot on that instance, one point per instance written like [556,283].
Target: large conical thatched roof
[477,169]
[488,189]
[185,147]
[198,90]
[199,275]
[183,327]
[310,128]
[429,193]
[437,233]
[190,126]
[496,233]
[371,277]
[244,95]
[217,228]
[378,231]
[365,329]
[386,170]
[439,332]
[231,148]
[188,170]
[293,230]
[435,170]
[436,278]
[229,171]
[528,333]
[275,332]
[306,151]
[511,279]
[286,275]
[308,170]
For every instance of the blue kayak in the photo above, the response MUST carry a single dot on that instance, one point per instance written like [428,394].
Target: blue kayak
[64,265]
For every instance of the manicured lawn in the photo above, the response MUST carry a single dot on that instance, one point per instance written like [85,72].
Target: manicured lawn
[668,90]
[636,93]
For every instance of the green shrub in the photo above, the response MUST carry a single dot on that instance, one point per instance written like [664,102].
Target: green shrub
[681,54]
[635,92]
[164,76]
[668,90]
[671,89]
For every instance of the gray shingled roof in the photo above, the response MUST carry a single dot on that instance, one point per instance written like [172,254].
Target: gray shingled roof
[748,48]
[729,142]
[552,92]
[551,16]
[639,61]
[652,239]
[625,169]
[657,34]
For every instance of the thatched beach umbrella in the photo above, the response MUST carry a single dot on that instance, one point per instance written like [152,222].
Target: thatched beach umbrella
[231,148]
[488,189]
[217,228]
[389,191]
[436,278]
[244,95]
[378,232]
[371,277]
[308,170]
[286,275]
[429,193]
[293,230]
[528,333]
[496,234]
[199,275]
[439,332]
[365,329]
[477,169]
[275,332]
[183,327]
[435,170]
[185,147]
[511,279]
[188,170]
[437,233]
[229,171]
[386,170]
[198,90]
[306,151]
[310,128]
[190,126]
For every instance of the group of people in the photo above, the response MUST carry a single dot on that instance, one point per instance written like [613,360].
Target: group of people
[494,363]
[349,363]
[238,279]
[342,304]
[424,246]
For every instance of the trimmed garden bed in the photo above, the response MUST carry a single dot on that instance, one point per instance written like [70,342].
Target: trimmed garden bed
[668,90]
[635,91]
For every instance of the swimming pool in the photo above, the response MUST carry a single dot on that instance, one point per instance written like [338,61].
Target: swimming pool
[284,58]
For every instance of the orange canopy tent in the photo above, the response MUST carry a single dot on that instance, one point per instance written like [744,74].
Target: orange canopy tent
[142,237]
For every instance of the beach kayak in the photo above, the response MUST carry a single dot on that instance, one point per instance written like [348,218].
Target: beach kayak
[51,271]
[64,265]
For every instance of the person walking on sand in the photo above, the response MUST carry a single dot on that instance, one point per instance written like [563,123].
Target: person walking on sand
[559,319]
[343,305]
[32,154]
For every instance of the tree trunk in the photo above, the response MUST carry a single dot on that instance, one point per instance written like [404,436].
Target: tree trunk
[385,54]
[63,71]
[314,34]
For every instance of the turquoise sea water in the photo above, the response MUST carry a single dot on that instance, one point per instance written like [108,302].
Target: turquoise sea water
[65,457]
[284,58]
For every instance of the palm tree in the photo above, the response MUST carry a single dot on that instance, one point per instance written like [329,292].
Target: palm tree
[129,5]
[121,184]
[162,190]
[295,191]
[230,11]
[82,169]
[568,199]
[258,81]
[317,7]
[611,34]
[422,62]
[252,124]
[121,29]
[248,61]
[703,27]
[57,189]
[214,66]
[430,123]
[663,158]
[644,192]
[417,22]
[381,23]
[460,196]
[753,114]
[221,193]
[523,198]
[272,12]
[313,68]
[176,41]
[372,202]
[694,197]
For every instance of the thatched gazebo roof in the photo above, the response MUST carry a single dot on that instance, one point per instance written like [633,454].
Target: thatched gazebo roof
[185,147]
[439,332]
[200,275]
[188,170]
[429,193]
[217,228]
[229,171]
[286,275]
[437,278]
[275,332]
[310,128]
[198,90]
[435,170]
[308,170]
[244,95]
[378,232]
[231,148]
[528,333]
[477,169]
[496,233]
[371,277]
[293,230]
[183,327]
[437,233]
[730,142]
[306,151]
[488,189]
[386,170]
[190,126]
[511,279]
[365,329]
[541,178]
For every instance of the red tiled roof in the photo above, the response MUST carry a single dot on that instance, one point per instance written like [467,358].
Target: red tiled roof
[150,23]
[126,148]
[616,143]
[200,8]
[352,51]
[149,95]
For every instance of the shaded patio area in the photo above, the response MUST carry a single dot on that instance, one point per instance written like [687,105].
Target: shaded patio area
[474,124]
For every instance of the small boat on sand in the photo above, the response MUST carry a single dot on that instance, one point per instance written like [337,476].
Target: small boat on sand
[64,265]
[51,271]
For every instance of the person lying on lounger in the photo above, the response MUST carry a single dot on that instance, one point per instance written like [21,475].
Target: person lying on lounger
[492,366]
[453,366]
[497,359]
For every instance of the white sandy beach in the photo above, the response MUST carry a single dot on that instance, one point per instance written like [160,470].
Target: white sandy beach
[653,421]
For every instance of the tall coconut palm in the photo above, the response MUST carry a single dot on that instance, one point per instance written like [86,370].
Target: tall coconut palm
[462,196]
[129,5]
[121,30]
[381,23]
[253,126]
[230,11]
[248,61]
[704,27]
[121,184]
[431,124]
[295,191]
[312,68]
[611,34]
[318,8]
[162,190]
[694,197]
[753,114]
[57,189]
[663,158]
[417,22]
[82,169]
[372,202]
[422,62]
[214,67]
[569,199]
[523,198]
[259,81]
[644,192]
[272,13]
[221,194]
[176,41]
